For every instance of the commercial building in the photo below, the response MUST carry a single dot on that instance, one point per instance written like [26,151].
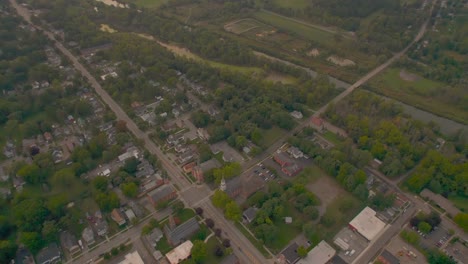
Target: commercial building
[132,258]
[180,253]
[320,254]
[367,224]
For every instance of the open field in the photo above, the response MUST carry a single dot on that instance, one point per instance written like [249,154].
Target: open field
[296,4]
[420,92]
[183,52]
[147,3]
[244,25]
[271,135]
[307,32]
[282,78]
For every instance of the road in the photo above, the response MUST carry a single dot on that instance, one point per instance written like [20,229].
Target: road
[248,250]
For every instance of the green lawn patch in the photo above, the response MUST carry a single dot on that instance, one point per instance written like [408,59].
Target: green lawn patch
[460,202]
[163,246]
[211,246]
[258,244]
[286,232]
[333,138]
[296,4]
[307,32]
[271,135]
[185,214]
[147,3]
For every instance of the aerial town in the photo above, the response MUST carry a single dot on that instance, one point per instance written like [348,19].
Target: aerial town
[233,132]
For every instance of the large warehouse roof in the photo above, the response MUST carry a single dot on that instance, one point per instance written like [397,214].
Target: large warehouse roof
[367,224]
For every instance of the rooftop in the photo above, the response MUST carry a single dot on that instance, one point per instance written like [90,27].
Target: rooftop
[387,258]
[367,224]
[160,193]
[50,253]
[320,254]
[132,258]
[180,253]
[290,254]
[183,231]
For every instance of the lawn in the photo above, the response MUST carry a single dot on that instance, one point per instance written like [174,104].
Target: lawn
[211,246]
[307,32]
[333,138]
[286,232]
[147,3]
[418,92]
[342,210]
[163,246]
[296,4]
[185,214]
[460,202]
[270,136]
[258,244]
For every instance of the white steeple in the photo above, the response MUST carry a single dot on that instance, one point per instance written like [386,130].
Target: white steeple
[222,186]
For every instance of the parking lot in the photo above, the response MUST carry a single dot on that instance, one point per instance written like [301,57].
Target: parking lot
[458,251]
[405,252]
[437,238]
[354,242]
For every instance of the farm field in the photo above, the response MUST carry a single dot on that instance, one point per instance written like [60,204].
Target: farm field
[416,91]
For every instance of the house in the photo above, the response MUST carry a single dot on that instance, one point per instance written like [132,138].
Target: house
[288,220]
[387,258]
[249,214]
[317,123]
[161,194]
[198,174]
[18,183]
[88,236]
[177,235]
[209,165]
[295,153]
[49,255]
[154,236]
[289,254]
[48,137]
[296,114]
[69,242]
[117,217]
[101,227]
[180,148]
[203,134]
[130,215]
[175,139]
[180,253]
[186,157]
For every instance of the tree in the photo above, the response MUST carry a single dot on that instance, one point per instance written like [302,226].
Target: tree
[209,223]
[30,214]
[107,202]
[130,189]
[218,251]
[424,227]
[131,165]
[462,220]
[199,211]
[302,251]
[226,243]
[233,211]
[220,199]
[63,179]
[32,240]
[410,237]
[100,183]
[31,173]
[218,232]
[199,251]
[50,231]
[437,257]
[7,251]
[311,212]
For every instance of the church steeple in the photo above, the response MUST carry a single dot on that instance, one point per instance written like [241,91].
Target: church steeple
[222,186]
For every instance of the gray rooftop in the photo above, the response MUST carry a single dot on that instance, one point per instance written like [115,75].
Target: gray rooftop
[161,192]
[49,254]
[182,232]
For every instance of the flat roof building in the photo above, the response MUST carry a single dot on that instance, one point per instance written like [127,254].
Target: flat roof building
[367,224]
[132,258]
[320,254]
[180,253]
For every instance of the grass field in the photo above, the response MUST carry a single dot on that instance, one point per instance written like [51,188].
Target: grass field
[258,245]
[333,138]
[420,93]
[271,135]
[460,202]
[286,232]
[279,77]
[147,3]
[183,52]
[296,4]
[307,32]
[244,25]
